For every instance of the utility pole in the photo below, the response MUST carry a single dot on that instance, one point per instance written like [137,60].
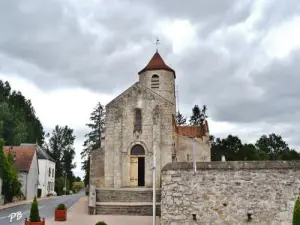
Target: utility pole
[194,155]
[65,184]
[154,184]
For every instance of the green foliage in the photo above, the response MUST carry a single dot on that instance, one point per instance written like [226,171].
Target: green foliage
[86,168]
[77,186]
[61,206]
[93,138]
[60,184]
[34,211]
[61,149]
[199,115]
[101,223]
[77,179]
[2,158]
[11,184]
[271,147]
[18,122]
[296,216]
[180,119]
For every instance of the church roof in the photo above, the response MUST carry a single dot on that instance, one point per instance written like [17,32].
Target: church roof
[157,63]
[191,131]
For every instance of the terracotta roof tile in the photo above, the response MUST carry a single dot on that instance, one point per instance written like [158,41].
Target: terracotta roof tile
[191,131]
[24,156]
[157,63]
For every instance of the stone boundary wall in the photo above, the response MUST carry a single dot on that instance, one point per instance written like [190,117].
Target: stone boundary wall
[236,193]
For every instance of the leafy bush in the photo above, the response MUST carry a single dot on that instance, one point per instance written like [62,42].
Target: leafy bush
[296,216]
[11,185]
[61,206]
[101,223]
[34,211]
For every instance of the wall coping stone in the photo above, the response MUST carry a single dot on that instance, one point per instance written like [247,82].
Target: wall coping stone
[234,165]
[127,189]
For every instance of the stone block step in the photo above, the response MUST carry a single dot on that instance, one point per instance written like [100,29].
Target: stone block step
[122,208]
[126,195]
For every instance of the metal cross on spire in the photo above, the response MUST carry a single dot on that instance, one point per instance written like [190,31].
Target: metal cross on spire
[157,43]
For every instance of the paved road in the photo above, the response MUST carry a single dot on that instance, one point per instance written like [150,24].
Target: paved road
[46,208]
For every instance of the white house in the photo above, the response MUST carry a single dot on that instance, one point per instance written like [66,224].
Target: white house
[26,163]
[47,171]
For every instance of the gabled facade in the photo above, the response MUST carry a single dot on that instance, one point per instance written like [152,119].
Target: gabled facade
[46,171]
[26,164]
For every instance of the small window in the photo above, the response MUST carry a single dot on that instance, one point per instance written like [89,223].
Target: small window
[49,172]
[138,120]
[155,82]
[52,172]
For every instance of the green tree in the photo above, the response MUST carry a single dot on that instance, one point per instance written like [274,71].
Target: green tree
[93,138]
[18,122]
[180,119]
[11,185]
[2,158]
[199,115]
[86,168]
[296,215]
[274,146]
[34,211]
[61,149]
[230,147]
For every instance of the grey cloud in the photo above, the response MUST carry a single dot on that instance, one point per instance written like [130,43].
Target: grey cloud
[48,44]
[49,38]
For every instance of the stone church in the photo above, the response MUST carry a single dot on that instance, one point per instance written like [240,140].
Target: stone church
[137,121]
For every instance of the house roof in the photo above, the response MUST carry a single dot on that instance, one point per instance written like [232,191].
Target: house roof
[41,153]
[24,156]
[157,63]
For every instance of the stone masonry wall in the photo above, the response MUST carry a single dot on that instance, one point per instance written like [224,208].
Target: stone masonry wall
[230,193]
[184,149]
[97,168]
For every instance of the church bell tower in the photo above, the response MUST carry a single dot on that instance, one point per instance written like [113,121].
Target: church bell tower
[160,78]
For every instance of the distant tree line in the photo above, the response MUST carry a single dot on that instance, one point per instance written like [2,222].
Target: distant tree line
[267,147]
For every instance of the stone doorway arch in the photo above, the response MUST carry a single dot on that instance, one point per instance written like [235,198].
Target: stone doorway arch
[137,166]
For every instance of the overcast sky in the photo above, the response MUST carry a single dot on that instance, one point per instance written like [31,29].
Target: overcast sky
[240,58]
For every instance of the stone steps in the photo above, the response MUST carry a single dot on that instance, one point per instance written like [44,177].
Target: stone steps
[126,201]
[126,195]
[124,208]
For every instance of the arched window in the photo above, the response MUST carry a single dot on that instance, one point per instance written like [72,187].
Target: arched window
[137,150]
[155,81]
[138,120]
